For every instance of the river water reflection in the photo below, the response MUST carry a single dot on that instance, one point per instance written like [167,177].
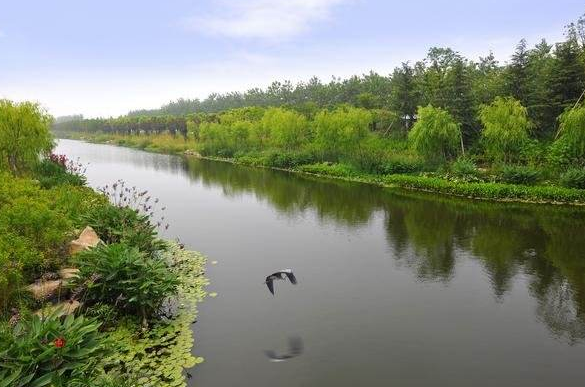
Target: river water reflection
[395,288]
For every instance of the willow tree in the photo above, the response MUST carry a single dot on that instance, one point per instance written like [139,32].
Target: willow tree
[24,134]
[288,129]
[435,136]
[571,136]
[505,128]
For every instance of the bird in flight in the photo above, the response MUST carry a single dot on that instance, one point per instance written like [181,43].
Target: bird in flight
[295,346]
[280,275]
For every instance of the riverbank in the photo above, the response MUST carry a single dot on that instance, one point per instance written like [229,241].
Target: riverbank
[444,184]
[111,305]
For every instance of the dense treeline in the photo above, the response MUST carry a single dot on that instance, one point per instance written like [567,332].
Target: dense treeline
[546,79]
[446,116]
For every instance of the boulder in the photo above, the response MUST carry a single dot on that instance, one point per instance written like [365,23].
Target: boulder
[44,290]
[87,239]
[65,308]
[68,273]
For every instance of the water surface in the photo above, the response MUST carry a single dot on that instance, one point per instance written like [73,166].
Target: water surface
[395,288]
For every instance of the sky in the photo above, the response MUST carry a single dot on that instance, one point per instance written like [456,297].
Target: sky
[104,58]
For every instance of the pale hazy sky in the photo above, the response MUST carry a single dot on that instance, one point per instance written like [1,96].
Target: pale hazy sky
[106,57]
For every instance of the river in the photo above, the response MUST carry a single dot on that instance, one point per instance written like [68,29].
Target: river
[394,288]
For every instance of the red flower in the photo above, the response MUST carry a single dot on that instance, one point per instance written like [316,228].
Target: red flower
[59,342]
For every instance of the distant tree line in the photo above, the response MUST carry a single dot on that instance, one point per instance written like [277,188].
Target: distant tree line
[546,79]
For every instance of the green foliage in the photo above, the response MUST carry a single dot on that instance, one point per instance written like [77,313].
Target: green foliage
[35,225]
[329,169]
[51,352]
[288,129]
[51,174]
[24,135]
[493,191]
[339,131]
[505,128]
[435,136]
[159,356]
[574,178]
[465,169]
[572,135]
[120,275]
[402,164]
[123,225]
[518,174]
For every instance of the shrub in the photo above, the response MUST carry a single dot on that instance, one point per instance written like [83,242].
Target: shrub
[51,352]
[574,178]
[506,127]
[400,164]
[328,169]
[51,174]
[123,276]
[122,224]
[465,169]
[516,174]
[288,159]
[435,136]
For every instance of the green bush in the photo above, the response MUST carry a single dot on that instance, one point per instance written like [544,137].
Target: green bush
[329,169]
[465,169]
[51,174]
[121,275]
[122,224]
[51,352]
[495,191]
[517,174]
[289,159]
[397,164]
[574,178]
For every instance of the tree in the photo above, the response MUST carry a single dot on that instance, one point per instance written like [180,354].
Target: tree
[568,75]
[288,129]
[403,98]
[24,134]
[460,100]
[435,136]
[337,132]
[505,128]
[540,70]
[517,77]
[572,134]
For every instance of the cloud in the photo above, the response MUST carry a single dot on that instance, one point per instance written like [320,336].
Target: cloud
[264,19]
[2,34]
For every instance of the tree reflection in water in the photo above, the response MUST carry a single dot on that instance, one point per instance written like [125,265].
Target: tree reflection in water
[543,243]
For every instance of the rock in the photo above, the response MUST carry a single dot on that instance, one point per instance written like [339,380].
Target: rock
[191,152]
[87,239]
[68,273]
[44,290]
[65,308]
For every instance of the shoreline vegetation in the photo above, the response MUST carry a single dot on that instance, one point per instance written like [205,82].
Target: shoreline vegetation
[445,124]
[429,183]
[109,306]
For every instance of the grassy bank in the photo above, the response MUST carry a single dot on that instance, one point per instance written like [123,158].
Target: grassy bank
[471,183]
[118,314]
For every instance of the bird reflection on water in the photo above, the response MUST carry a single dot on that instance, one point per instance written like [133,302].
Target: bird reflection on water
[295,348]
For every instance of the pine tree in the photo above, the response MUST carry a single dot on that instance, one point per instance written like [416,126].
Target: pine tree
[517,76]
[567,81]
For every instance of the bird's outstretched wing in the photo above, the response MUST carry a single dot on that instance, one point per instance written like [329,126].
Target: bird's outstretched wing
[270,284]
[290,275]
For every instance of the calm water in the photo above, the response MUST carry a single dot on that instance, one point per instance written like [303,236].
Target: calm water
[395,289]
